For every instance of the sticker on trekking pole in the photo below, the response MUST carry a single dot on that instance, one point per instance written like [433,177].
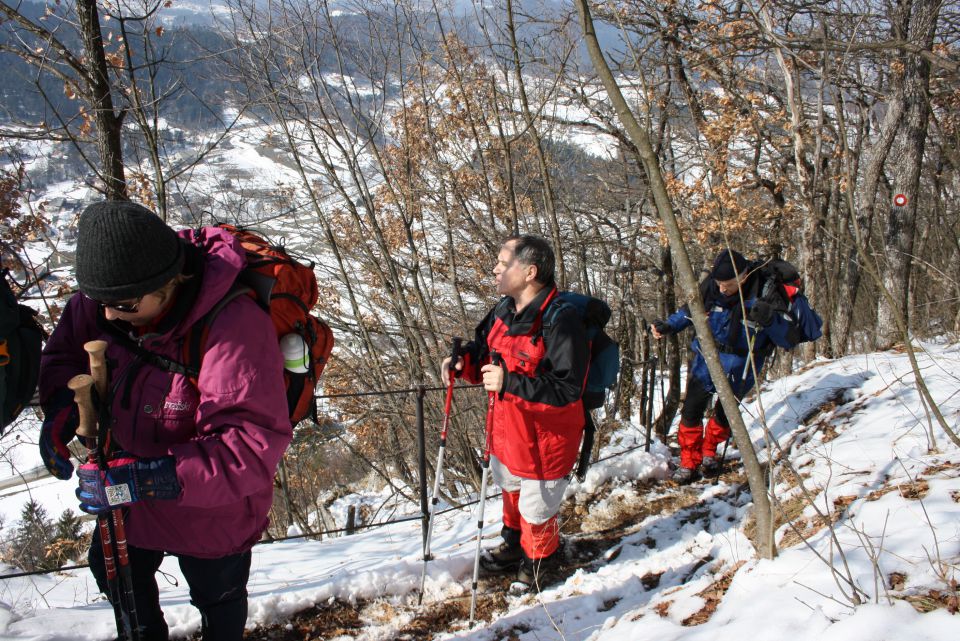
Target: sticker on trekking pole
[118,494]
[900,200]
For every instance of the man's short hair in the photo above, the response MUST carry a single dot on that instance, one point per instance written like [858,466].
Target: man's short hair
[534,250]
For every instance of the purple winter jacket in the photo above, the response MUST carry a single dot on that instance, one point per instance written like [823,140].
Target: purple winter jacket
[227,436]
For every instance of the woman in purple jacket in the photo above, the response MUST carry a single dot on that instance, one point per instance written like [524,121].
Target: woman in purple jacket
[198,457]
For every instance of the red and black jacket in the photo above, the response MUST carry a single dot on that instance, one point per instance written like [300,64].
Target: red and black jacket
[538,415]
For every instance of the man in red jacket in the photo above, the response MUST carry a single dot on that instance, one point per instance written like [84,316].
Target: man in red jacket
[536,375]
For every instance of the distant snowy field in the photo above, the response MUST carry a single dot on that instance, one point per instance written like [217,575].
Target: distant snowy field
[873,434]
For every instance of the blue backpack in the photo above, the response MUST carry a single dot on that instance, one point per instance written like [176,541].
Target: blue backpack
[604,351]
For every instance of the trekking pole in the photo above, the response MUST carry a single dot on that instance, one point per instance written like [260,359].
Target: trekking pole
[113,539]
[454,355]
[647,406]
[586,448]
[644,392]
[491,399]
[662,360]
[716,477]
[115,525]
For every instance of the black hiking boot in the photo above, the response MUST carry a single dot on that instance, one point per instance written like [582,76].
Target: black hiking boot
[684,476]
[534,574]
[505,557]
[709,467]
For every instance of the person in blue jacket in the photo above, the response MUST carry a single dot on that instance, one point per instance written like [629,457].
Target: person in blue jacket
[734,286]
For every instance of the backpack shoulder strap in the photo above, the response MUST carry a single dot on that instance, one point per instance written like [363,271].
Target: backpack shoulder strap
[147,356]
[553,310]
[195,344]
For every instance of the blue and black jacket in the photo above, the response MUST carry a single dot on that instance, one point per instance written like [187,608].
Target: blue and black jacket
[739,339]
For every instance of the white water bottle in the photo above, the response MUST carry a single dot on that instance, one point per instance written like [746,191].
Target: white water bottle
[296,356]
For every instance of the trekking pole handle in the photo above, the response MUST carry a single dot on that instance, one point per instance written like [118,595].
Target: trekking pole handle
[98,365]
[448,401]
[455,344]
[497,360]
[82,384]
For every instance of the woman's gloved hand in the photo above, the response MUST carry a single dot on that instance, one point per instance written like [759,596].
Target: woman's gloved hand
[60,421]
[126,480]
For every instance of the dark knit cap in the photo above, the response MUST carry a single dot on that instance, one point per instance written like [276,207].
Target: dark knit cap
[724,264]
[124,251]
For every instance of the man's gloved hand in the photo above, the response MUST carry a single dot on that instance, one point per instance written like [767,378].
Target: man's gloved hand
[762,312]
[662,327]
[60,421]
[127,480]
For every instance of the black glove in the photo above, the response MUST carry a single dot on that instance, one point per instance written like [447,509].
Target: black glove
[762,312]
[662,327]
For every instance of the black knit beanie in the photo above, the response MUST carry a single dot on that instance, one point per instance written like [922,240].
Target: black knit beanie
[724,263]
[124,251]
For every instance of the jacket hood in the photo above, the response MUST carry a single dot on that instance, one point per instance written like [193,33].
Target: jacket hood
[214,259]
[223,258]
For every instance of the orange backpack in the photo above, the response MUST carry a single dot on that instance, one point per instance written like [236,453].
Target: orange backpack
[287,290]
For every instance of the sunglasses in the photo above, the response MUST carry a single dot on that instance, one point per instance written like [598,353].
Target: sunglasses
[123,308]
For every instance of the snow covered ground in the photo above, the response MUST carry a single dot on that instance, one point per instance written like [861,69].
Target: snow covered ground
[868,455]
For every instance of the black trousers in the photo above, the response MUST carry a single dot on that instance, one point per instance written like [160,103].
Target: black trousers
[695,404]
[218,588]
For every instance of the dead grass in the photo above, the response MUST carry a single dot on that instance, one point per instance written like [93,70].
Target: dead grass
[713,596]
[802,528]
[319,622]
[790,511]
[651,580]
[826,407]
[441,616]
[621,511]
[841,503]
[828,431]
[940,467]
[913,491]
[896,581]
[934,600]
[339,619]
[593,531]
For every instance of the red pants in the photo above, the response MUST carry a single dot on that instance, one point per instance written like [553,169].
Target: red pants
[694,444]
[537,540]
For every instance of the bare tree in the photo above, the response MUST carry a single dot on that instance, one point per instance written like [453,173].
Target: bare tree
[86,74]
[651,163]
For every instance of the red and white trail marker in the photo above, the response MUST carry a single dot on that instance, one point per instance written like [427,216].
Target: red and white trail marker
[900,200]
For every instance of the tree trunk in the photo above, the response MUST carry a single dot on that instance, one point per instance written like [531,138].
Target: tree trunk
[668,365]
[641,139]
[862,217]
[106,121]
[917,21]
